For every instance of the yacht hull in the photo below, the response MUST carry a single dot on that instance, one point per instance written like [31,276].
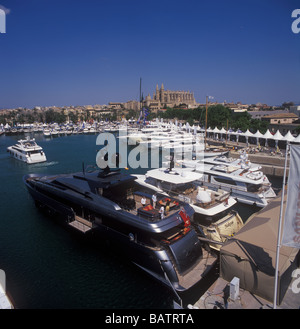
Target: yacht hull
[163,262]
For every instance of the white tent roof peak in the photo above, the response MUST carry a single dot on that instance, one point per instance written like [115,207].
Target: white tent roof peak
[297,139]
[268,135]
[289,137]
[258,134]
[248,133]
[278,136]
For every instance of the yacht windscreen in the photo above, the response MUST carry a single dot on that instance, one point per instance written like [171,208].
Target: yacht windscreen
[80,185]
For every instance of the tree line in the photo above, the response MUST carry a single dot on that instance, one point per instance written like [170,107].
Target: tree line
[217,116]
[49,116]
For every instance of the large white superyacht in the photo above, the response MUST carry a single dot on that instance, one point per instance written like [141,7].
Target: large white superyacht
[246,181]
[28,151]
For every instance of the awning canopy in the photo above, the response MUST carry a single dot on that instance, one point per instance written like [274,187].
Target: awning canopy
[268,135]
[288,137]
[278,136]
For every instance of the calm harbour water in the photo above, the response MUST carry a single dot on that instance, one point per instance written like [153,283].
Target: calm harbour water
[46,266]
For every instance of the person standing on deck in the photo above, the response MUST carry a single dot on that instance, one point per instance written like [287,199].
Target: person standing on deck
[167,207]
[143,201]
[162,212]
[154,200]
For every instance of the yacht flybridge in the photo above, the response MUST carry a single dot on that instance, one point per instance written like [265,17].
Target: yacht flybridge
[214,215]
[105,204]
[28,151]
[244,180]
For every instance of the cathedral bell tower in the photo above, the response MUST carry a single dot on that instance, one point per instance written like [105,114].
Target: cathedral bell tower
[162,93]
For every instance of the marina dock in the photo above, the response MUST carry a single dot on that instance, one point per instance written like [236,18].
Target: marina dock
[272,164]
[249,258]
[218,297]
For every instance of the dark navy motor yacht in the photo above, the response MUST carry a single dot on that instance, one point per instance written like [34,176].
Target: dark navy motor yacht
[106,204]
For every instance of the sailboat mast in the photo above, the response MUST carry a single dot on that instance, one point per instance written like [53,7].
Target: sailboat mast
[140,94]
[205,124]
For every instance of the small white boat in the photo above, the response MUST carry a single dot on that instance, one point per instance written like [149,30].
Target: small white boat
[54,132]
[27,151]
[47,132]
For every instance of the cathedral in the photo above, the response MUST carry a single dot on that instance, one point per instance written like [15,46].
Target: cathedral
[167,98]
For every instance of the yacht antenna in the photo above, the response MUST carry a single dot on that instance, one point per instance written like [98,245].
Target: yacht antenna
[172,162]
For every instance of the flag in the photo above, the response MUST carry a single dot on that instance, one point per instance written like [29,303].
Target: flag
[140,117]
[291,226]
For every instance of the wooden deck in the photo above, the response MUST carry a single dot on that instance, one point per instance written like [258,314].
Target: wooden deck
[81,224]
[139,205]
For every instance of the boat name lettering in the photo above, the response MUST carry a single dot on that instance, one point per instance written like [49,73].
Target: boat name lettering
[229,224]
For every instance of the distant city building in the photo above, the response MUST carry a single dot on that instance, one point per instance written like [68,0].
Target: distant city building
[295,109]
[263,114]
[132,105]
[280,118]
[115,105]
[236,107]
[283,122]
[168,98]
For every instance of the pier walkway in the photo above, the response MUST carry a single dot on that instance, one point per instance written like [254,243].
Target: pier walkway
[217,297]
[250,256]
[272,164]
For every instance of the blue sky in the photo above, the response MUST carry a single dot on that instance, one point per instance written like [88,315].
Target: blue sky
[73,52]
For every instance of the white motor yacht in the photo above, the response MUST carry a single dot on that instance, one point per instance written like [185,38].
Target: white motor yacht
[27,151]
[47,132]
[244,180]
[54,132]
[214,215]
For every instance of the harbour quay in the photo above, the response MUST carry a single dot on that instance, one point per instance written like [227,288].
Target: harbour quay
[272,163]
[247,267]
